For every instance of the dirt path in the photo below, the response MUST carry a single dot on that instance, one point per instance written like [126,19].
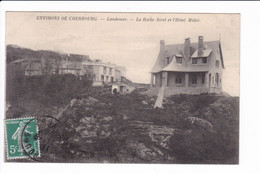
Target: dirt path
[58,115]
[159,101]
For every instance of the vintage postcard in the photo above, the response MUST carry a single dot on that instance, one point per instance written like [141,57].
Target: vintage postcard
[87,87]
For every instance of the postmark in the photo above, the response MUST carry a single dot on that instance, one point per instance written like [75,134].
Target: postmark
[22,138]
[53,138]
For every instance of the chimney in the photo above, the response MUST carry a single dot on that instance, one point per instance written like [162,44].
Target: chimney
[200,46]
[162,46]
[187,49]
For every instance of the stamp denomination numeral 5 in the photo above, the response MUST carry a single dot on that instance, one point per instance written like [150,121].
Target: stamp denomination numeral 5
[12,149]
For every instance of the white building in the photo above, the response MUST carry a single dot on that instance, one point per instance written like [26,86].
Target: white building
[104,72]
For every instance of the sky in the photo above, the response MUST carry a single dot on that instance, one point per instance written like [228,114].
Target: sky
[133,41]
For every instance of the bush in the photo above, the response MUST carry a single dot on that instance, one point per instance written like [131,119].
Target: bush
[206,146]
[48,90]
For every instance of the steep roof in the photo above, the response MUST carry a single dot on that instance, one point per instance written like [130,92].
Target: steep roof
[77,57]
[185,67]
[174,50]
[205,53]
[73,65]
[19,61]
[33,67]
[26,59]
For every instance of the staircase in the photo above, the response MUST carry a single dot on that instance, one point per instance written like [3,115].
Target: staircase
[159,101]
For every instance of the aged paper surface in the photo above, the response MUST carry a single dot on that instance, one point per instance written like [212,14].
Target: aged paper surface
[122,87]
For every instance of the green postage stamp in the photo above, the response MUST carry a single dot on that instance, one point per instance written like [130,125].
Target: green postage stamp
[22,138]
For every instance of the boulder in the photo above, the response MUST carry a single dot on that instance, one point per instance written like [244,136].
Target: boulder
[142,151]
[199,121]
[108,118]
[144,102]
[89,101]
[125,117]
[88,120]
[102,105]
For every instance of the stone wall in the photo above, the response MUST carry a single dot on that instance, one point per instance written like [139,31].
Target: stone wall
[182,90]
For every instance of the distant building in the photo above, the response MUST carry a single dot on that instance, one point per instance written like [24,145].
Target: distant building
[37,66]
[189,67]
[72,64]
[104,72]
[78,65]
[29,66]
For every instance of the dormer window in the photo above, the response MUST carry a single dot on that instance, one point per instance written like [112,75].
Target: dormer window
[194,61]
[168,60]
[179,60]
[204,60]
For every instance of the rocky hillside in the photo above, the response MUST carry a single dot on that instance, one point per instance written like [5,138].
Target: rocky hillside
[97,126]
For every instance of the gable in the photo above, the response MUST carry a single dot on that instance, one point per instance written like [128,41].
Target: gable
[221,56]
[206,53]
[210,51]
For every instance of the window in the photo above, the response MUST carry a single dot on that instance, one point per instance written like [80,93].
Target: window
[203,78]
[217,63]
[91,69]
[102,78]
[194,61]
[217,78]
[210,80]
[204,60]
[194,79]
[178,79]
[105,70]
[179,60]
[168,60]
[110,71]
[107,78]
[112,79]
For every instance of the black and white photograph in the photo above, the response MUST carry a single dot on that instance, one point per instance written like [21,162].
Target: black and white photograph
[103,87]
